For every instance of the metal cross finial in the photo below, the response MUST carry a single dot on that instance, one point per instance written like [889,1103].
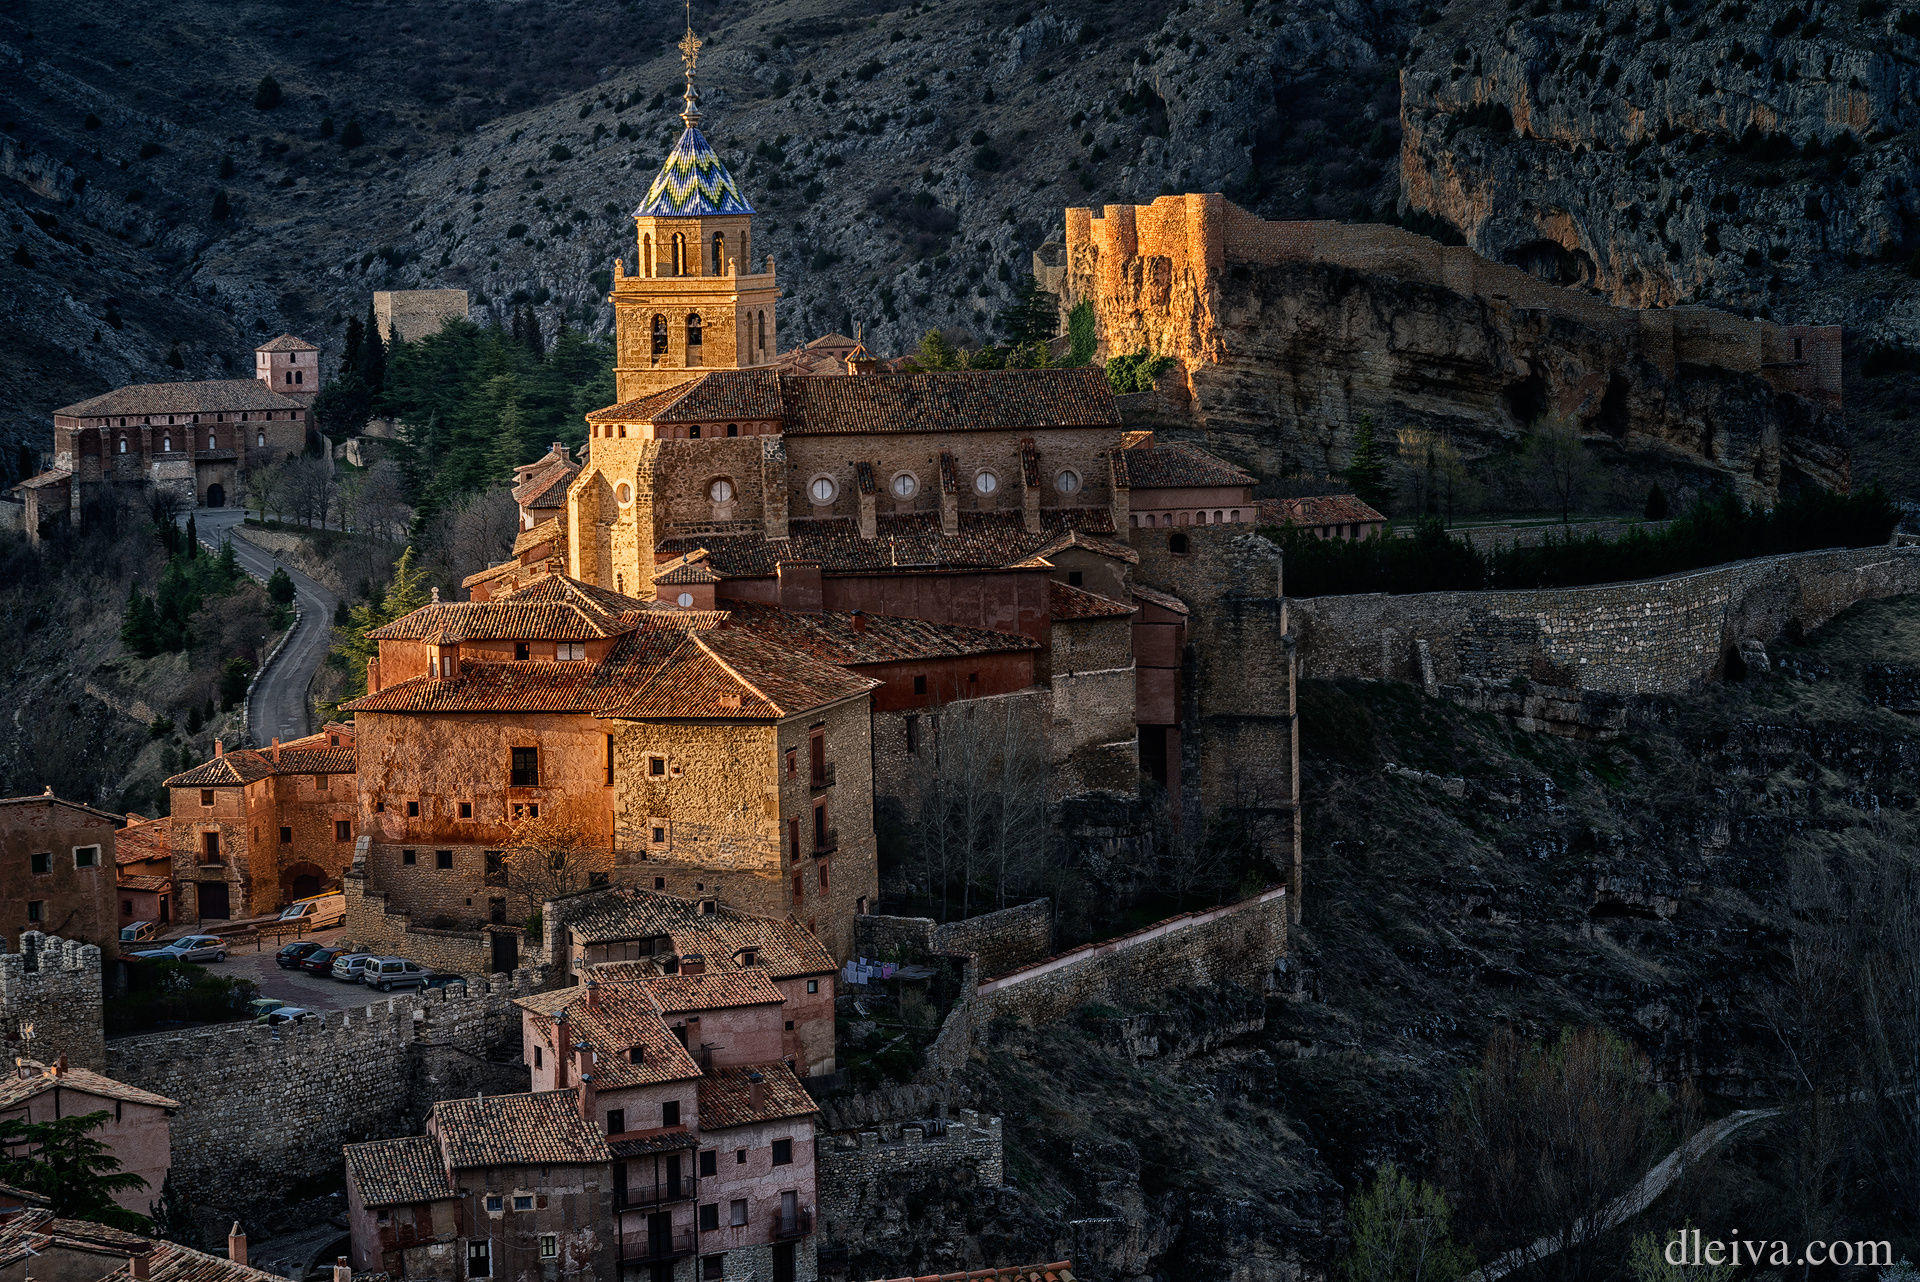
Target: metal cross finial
[690,55]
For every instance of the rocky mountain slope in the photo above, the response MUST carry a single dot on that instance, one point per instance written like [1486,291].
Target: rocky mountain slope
[1461,876]
[1764,155]
[905,158]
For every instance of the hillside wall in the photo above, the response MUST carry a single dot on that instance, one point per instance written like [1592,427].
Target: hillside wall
[50,1001]
[1655,636]
[997,941]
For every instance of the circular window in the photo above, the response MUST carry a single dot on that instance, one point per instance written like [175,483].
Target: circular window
[685,598]
[986,483]
[906,485]
[721,491]
[822,489]
[1068,482]
[624,493]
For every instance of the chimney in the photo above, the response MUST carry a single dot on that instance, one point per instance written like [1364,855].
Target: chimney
[756,1092]
[860,621]
[140,1267]
[800,588]
[693,964]
[373,675]
[559,447]
[342,1270]
[219,749]
[593,994]
[59,1065]
[276,748]
[560,1044]
[587,1099]
[436,596]
[237,1245]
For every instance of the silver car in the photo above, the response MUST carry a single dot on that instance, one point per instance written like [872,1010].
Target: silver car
[347,967]
[189,948]
[389,973]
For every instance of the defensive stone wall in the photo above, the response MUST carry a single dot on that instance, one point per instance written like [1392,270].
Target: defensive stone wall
[1239,941]
[1654,636]
[857,1170]
[264,1113]
[382,929]
[997,941]
[50,1001]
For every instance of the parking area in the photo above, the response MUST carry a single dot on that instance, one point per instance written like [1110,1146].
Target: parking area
[297,987]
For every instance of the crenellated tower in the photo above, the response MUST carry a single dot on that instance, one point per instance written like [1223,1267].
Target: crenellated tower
[695,303]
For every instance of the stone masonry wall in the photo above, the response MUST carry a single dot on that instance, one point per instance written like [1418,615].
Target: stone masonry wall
[50,1001]
[1239,942]
[264,1113]
[1648,637]
[997,941]
[856,1170]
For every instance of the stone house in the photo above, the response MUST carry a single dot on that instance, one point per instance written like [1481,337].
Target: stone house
[136,1132]
[57,869]
[1325,516]
[143,870]
[253,829]
[712,1134]
[505,1186]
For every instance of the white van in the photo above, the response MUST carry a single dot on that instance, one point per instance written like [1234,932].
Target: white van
[317,912]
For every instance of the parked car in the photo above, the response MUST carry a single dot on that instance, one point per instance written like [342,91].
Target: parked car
[389,973]
[139,932]
[347,966]
[443,979]
[286,1015]
[320,960]
[263,1007]
[191,948]
[317,911]
[290,957]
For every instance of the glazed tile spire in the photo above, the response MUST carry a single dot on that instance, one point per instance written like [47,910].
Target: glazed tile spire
[693,181]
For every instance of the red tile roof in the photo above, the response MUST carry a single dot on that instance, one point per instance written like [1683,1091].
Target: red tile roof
[726,1096]
[551,608]
[836,637]
[1059,1271]
[1073,603]
[1320,509]
[48,799]
[15,1089]
[36,1230]
[1165,600]
[906,541]
[782,948]
[225,395]
[543,1128]
[620,1017]
[397,1172]
[142,840]
[1174,466]
[286,343]
[718,989]
[138,882]
[751,394]
[314,755]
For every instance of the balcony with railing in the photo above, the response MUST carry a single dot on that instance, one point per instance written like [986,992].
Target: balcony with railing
[652,1248]
[794,1224]
[820,778]
[825,840]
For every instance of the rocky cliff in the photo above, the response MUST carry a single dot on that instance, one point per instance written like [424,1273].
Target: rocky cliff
[1760,155]
[1288,334]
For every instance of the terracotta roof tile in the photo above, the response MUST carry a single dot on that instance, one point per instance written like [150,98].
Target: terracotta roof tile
[551,608]
[726,1096]
[1076,538]
[904,541]
[15,1089]
[37,1230]
[226,395]
[313,755]
[620,1017]
[1175,466]
[547,486]
[1074,603]
[834,635]
[143,840]
[551,530]
[718,989]
[1165,600]
[48,799]
[750,394]
[396,1172]
[784,949]
[140,882]
[286,343]
[1320,509]
[973,401]
[537,1129]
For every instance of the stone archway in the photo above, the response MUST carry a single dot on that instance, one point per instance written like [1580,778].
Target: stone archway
[216,495]
[301,879]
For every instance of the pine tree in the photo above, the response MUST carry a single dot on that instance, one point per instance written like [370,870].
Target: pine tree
[1032,317]
[63,1162]
[372,365]
[229,565]
[350,348]
[193,537]
[221,209]
[352,136]
[936,353]
[280,587]
[175,359]
[405,593]
[139,626]
[267,95]
[1366,472]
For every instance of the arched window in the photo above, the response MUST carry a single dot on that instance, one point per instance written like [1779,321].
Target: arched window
[166,442]
[1177,544]
[693,329]
[679,254]
[646,255]
[659,337]
[261,440]
[123,445]
[212,442]
[719,255]
[763,331]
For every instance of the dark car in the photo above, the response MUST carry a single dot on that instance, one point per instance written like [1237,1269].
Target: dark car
[320,960]
[440,979]
[290,957]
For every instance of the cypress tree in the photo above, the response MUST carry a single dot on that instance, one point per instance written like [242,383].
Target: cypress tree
[1366,472]
[373,356]
[221,209]
[350,348]
[193,538]
[266,95]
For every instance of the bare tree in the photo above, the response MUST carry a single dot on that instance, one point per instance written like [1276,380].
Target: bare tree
[979,825]
[1562,467]
[310,485]
[383,502]
[546,858]
[477,534]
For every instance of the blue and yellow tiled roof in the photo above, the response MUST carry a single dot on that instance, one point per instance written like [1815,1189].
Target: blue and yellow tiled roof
[692,183]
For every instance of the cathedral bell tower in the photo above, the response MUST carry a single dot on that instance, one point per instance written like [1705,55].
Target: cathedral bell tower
[696,303]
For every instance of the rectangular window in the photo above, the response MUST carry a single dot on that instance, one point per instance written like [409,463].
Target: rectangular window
[609,761]
[343,830]
[466,810]
[86,856]
[713,1268]
[710,1162]
[549,1245]
[616,1120]
[526,768]
[413,810]
[480,1258]
[206,796]
[919,685]
[42,862]
[443,859]
[523,1201]
[793,762]
[799,888]
[913,732]
[656,766]
[793,838]
[813,985]
[209,847]
[520,652]
[710,1217]
[739,1157]
[820,827]
[320,782]
[670,1113]
[570,650]
[823,875]
[738,1211]
[537,1057]
[407,857]
[495,1202]
[36,910]
[659,834]
[783,1152]
[286,835]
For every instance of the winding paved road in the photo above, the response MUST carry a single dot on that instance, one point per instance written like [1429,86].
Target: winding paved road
[278,706]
